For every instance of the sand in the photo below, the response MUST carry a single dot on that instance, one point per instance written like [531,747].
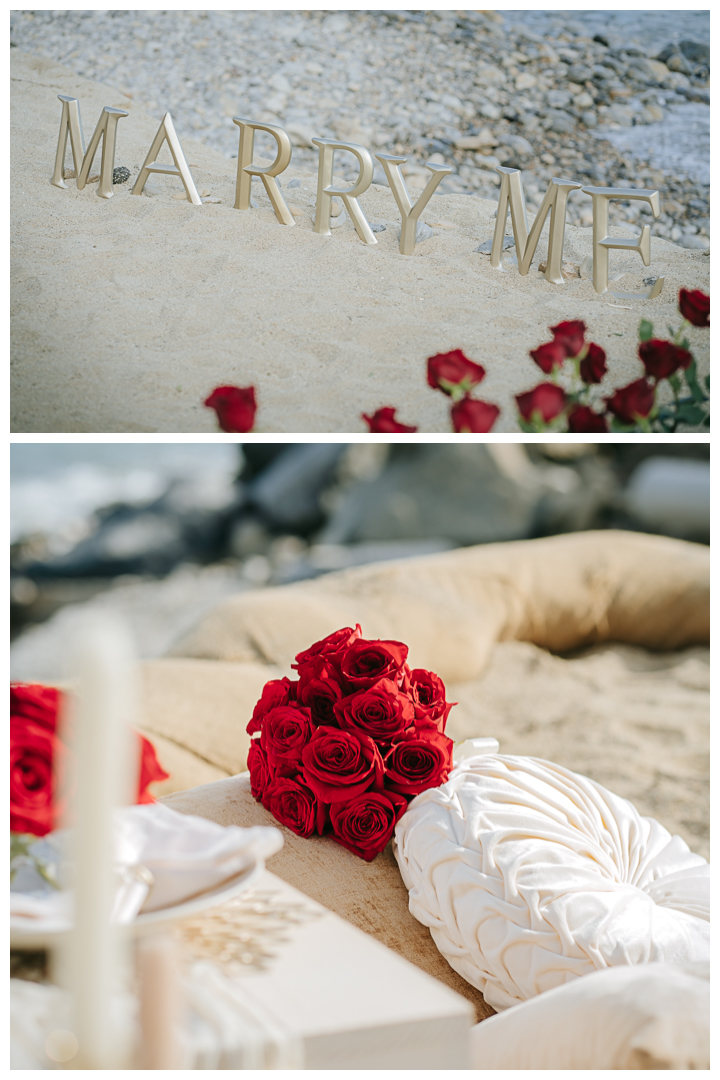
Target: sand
[128,311]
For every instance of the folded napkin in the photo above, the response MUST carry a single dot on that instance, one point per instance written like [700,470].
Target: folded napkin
[162,859]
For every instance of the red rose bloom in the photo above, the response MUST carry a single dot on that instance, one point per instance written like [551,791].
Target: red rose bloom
[274,693]
[662,359]
[285,732]
[583,418]
[471,415]
[381,712]
[632,402]
[365,662]
[428,692]
[365,824]
[39,760]
[330,651]
[340,764]
[549,356]
[384,421]
[695,307]
[320,694]
[570,335]
[593,365]
[234,406]
[542,404]
[260,774]
[453,373]
[417,762]
[293,804]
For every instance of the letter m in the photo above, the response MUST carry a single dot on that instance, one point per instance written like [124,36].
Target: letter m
[512,197]
[70,123]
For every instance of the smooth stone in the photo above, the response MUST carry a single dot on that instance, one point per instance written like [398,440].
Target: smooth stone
[486,247]
[376,226]
[294,183]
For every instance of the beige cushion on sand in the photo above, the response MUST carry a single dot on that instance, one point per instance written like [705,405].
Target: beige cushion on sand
[371,896]
[560,593]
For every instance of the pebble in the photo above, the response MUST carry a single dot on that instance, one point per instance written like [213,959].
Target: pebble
[121,175]
[294,183]
[458,84]
[212,199]
[486,247]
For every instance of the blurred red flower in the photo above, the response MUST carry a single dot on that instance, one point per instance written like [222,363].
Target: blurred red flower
[471,415]
[632,402]
[384,421]
[695,306]
[546,400]
[235,407]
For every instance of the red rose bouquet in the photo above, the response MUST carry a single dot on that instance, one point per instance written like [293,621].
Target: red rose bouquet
[341,749]
[38,758]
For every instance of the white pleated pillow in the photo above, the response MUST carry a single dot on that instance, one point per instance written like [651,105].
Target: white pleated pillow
[529,875]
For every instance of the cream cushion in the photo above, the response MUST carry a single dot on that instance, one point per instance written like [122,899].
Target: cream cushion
[656,1016]
[529,875]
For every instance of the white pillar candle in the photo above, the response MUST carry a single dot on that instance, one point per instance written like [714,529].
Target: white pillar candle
[102,710]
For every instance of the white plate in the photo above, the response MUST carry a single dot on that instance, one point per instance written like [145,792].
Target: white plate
[23,936]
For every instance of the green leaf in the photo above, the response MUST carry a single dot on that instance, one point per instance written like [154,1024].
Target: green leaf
[690,414]
[645,330]
[524,426]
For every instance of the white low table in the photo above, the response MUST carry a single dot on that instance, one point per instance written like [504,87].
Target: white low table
[353,1002]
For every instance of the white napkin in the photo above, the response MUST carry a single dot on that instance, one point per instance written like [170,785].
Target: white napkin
[186,856]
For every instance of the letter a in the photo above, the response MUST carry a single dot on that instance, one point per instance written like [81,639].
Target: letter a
[106,130]
[554,203]
[166,133]
[409,214]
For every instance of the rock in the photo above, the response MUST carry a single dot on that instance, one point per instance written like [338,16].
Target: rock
[620,114]
[580,73]
[212,199]
[423,232]
[204,193]
[490,111]
[590,119]
[336,208]
[335,220]
[301,134]
[452,492]
[701,243]
[671,495]
[121,175]
[695,51]
[287,493]
[294,183]
[476,142]
[560,99]
[584,100]
[655,112]
[294,209]
[654,70]
[486,247]
[377,227]
[677,62]
[519,144]
[560,122]
[525,81]
[586,268]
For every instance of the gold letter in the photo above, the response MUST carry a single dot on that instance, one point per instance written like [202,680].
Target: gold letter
[602,242]
[267,173]
[555,201]
[106,130]
[325,190]
[409,214]
[166,132]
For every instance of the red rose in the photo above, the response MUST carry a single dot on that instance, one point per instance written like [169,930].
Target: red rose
[428,692]
[235,407]
[549,356]
[365,824]
[417,762]
[276,692]
[541,405]
[453,373]
[471,415]
[293,804]
[570,336]
[582,418]
[39,760]
[662,359]
[260,774]
[383,420]
[285,732]
[330,650]
[33,749]
[593,365]
[695,307]
[380,712]
[320,694]
[632,402]
[340,764]
[365,662]
[151,771]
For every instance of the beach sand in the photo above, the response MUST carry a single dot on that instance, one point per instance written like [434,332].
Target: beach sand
[127,312]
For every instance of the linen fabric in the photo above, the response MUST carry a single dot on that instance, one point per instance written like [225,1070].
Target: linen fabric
[652,1016]
[529,875]
[186,855]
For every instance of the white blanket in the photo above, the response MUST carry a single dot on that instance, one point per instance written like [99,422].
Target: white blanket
[529,875]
